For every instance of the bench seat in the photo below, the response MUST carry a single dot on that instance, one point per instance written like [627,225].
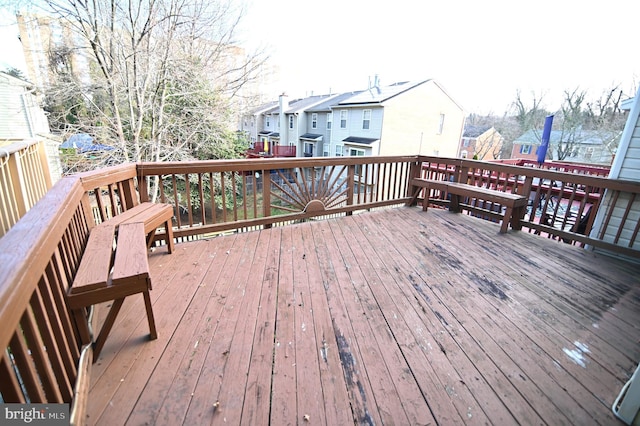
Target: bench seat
[514,204]
[153,215]
[109,272]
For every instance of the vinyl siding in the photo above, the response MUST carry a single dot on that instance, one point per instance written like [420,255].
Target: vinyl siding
[630,168]
[625,166]
[412,123]
[20,114]
[616,220]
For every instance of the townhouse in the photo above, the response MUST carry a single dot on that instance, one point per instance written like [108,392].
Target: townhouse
[402,118]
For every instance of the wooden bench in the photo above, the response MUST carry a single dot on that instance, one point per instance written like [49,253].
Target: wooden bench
[514,204]
[153,215]
[114,265]
[111,272]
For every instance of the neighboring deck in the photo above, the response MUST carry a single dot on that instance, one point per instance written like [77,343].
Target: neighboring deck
[394,317]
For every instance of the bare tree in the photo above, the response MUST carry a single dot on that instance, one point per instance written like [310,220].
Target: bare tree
[489,145]
[154,79]
[571,118]
[577,122]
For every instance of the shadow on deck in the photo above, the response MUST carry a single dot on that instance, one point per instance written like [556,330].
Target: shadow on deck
[393,316]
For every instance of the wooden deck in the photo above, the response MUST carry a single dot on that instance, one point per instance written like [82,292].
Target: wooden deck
[388,317]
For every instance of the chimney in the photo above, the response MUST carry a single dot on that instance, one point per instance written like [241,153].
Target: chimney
[284,105]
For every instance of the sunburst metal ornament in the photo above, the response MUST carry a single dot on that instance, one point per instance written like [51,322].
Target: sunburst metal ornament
[310,189]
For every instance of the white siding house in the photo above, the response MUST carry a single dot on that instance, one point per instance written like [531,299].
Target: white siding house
[626,165]
[21,116]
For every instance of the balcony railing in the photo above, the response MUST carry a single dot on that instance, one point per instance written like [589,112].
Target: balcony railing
[24,179]
[41,253]
[276,151]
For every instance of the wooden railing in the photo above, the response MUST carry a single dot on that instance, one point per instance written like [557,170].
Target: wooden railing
[563,206]
[559,166]
[24,179]
[40,255]
[222,195]
[276,151]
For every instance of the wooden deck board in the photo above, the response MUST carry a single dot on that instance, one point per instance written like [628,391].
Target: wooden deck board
[394,316]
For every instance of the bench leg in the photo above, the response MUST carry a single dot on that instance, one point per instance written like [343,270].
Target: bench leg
[168,228]
[106,327]
[454,205]
[152,323]
[508,217]
[83,325]
[516,218]
[150,238]
[414,199]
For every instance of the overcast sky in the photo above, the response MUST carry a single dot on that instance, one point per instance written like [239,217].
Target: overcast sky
[481,52]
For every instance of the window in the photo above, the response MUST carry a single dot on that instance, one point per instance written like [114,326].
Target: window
[525,149]
[308,149]
[338,150]
[325,150]
[329,120]
[366,119]
[343,119]
[465,142]
[440,124]
[314,120]
[464,154]
[355,152]
[267,121]
[291,121]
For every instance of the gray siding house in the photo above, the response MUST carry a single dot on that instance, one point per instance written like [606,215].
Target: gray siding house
[317,140]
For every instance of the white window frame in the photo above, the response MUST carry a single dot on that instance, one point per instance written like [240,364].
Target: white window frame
[329,120]
[344,114]
[267,121]
[309,145]
[314,120]
[357,152]
[291,121]
[525,149]
[366,119]
[339,150]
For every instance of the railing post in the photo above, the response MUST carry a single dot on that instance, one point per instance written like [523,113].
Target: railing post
[414,172]
[18,184]
[129,193]
[462,173]
[142,186]
[266,195]
[351,173]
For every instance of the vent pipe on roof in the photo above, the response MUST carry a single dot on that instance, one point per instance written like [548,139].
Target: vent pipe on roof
[376,83]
